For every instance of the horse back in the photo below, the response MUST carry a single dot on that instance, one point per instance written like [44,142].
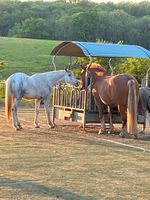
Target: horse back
[19,84]
[113,90]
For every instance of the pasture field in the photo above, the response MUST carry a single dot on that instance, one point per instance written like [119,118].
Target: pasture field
[67,163]
[27,55]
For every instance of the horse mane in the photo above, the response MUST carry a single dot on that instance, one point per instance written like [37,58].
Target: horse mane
[97,69]
[95,66]
[94,69]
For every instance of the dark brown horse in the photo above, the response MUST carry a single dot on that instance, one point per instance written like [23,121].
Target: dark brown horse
[144,102]
[119,91]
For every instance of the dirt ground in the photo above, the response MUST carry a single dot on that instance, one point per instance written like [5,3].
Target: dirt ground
[68,163]
[26,117]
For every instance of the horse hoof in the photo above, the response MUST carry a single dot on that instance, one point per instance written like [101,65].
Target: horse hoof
[135,136]
[110,132]
[122,134]
[101,132]
[52,126]
[37,126]
[18,129]
[142,132]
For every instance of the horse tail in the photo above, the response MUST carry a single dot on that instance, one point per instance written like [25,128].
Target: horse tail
[132,127]
[9,99]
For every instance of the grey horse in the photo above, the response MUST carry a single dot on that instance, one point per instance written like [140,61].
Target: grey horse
[38,87]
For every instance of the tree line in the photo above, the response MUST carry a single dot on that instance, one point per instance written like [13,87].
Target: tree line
[83,21]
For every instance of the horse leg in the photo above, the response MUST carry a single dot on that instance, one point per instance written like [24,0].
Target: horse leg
[47,110]
[144,123]
[123,112]
[16,123]
[110,120]
[103,126]
[37,107]
[100,107]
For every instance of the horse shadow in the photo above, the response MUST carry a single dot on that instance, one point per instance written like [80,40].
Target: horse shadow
[35,187]
[143,136]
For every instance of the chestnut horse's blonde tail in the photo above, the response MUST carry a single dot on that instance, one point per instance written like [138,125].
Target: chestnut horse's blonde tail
[132,126]
[8,100]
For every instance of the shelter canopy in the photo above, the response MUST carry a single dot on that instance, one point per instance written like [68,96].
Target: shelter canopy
[90,49]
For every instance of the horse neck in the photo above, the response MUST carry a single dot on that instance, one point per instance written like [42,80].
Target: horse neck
[95,77]
[55,77]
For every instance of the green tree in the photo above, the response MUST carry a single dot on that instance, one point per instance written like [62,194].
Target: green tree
[84,20]
[63,30]
[31,28]
[134,66]
[142,27]
[135,9]
[114,26]
[84,26]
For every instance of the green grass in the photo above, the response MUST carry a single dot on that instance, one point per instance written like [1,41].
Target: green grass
[27,55]
[2,89]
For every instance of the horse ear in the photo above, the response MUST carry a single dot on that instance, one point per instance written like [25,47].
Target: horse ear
[66,69]
[82,68]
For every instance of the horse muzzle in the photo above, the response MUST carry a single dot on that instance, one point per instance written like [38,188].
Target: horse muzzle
[76,84]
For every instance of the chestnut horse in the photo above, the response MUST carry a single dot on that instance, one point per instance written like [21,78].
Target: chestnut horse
[121,91]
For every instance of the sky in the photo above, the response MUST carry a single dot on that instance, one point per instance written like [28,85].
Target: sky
[116,1]
[99,1]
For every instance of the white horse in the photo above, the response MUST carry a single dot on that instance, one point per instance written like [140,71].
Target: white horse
[38,87]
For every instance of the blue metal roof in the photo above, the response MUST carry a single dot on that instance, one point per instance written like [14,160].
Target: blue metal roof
[90,49]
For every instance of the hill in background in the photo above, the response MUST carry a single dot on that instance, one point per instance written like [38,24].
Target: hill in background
[27,55]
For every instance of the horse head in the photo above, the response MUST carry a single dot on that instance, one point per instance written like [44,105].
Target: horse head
[70,78]
[93,70]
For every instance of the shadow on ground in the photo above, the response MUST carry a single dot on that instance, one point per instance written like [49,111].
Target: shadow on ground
[32,186]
